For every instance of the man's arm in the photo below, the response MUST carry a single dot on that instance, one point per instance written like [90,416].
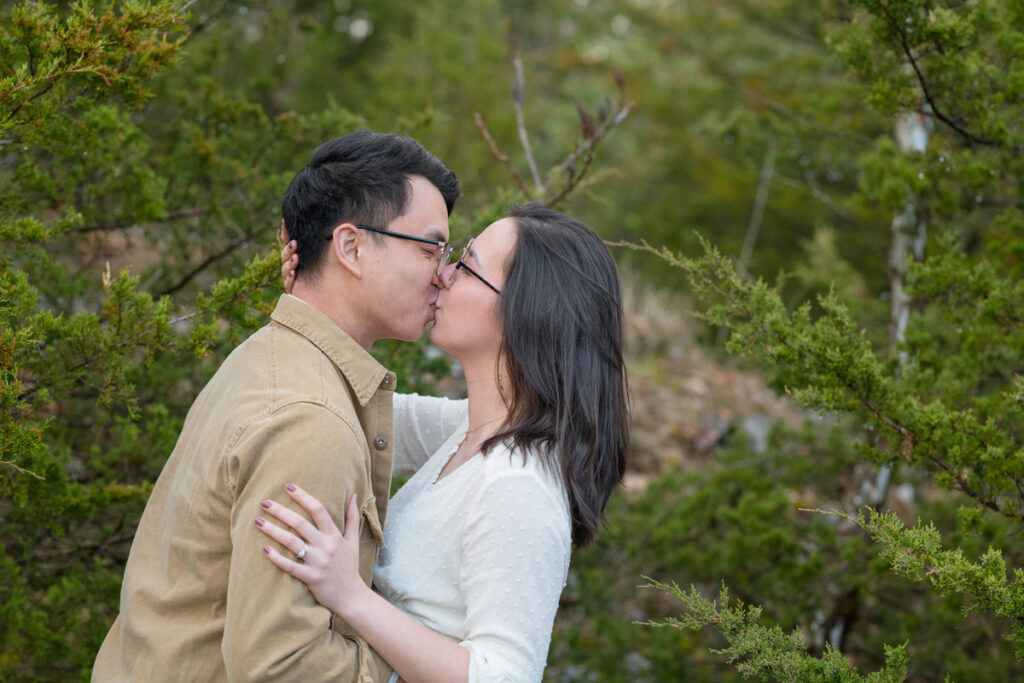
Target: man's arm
[274,629]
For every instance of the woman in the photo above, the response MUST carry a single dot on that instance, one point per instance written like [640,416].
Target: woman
[477,542]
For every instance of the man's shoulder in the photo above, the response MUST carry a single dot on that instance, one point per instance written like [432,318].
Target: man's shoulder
[276,367]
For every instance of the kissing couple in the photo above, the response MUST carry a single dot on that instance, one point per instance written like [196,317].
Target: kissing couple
[269,548]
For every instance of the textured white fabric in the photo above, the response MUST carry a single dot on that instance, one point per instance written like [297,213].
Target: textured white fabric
[480,556]
[422,425]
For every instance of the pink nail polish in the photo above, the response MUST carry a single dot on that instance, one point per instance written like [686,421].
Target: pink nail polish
[265,505]
[266,550]
[291,488]
[260,521]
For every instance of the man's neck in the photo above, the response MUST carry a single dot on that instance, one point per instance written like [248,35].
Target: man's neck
[336,309]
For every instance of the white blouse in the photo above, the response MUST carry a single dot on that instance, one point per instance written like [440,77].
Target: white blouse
[480,556]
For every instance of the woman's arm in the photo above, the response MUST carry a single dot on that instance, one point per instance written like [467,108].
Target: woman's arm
[422,425]
[414,651]
[330,568]
[513,567]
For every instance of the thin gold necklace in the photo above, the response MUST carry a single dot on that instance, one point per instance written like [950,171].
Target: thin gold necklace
[441,474]
[481,426]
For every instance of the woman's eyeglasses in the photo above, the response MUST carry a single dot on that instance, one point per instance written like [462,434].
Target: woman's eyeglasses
[462,264]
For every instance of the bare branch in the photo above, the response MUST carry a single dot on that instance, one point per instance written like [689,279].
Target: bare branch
[574,168]
[207,262]
[503,158]
[175,215]
[609,121]
[757,215]
[620,115]
[587,148]
[36,95]
[957,127]
[572,181]
[518,98]
[10,464]
[816,192]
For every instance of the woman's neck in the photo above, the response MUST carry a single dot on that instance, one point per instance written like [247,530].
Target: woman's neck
[487,409]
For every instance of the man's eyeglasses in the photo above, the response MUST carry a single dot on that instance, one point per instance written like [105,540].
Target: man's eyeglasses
[442,257]
[462,264]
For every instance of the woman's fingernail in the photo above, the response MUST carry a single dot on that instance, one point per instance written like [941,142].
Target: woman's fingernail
[260,521]
[266,550]
[265,505]
[290,487]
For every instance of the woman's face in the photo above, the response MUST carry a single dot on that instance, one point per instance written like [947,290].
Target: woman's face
[466,322]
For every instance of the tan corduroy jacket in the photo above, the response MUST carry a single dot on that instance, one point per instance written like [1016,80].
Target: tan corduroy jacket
[299,401]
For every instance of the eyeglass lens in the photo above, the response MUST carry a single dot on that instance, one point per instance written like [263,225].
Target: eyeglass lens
[444,257]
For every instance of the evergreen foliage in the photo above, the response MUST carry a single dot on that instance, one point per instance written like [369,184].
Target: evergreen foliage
[947,401]
[767,652]
[140,178]
[918,554]
[143,150]
[116,149]
[741,519]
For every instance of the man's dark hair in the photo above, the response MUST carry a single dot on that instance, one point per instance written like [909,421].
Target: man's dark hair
[359,178]
[562,336]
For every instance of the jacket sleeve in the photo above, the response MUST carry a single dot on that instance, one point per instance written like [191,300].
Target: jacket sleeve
[422,425]
[274,629]
[515,558]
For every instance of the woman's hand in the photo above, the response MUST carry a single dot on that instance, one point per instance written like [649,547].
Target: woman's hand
[289,262]
[327,560]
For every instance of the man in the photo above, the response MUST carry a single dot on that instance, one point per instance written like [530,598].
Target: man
[301,401]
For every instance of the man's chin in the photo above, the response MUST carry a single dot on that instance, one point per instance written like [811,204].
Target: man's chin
[424,332]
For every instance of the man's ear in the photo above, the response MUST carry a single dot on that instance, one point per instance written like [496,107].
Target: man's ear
[284,233]
[346,243]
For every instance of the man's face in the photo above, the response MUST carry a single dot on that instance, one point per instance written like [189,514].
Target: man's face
[402,273]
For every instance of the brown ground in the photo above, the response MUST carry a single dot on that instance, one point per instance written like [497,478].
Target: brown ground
[685,402]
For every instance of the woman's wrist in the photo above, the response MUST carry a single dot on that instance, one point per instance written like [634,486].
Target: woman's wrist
[350,604]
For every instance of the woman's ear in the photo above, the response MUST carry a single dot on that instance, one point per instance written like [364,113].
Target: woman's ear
[346,241]
[284,233]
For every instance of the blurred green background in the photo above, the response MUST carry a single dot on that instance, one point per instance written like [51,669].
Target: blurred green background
[750,125]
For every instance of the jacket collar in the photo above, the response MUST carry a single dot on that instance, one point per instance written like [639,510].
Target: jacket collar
[361,370]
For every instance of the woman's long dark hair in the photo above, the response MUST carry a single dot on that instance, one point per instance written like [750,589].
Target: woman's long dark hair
[565,381]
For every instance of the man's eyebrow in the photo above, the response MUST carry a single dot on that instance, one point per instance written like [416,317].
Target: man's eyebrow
[435,234]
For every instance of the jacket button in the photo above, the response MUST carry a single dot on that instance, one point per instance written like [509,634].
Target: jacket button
[381,443]
[387,381]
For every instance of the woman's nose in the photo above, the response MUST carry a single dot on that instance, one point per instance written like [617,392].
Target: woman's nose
[445,277]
